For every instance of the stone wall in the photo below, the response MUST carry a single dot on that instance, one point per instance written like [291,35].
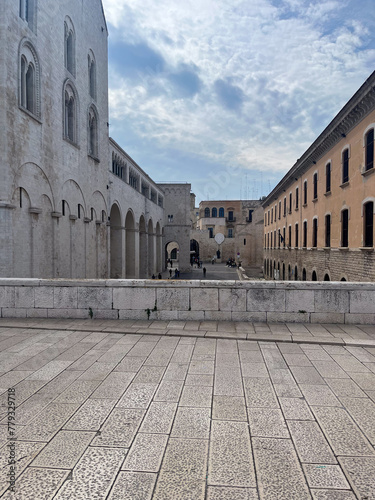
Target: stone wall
[299,302]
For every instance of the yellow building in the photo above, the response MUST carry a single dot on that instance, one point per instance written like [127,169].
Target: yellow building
[319,219]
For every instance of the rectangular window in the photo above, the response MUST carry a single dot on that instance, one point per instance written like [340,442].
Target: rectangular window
[304,243]
[268,240]
[230,233]
[275,212]
[284,237]
[272,216]
[296,235]
[285,206]
[315,184]
[345,228]
[268,217]
[315,233]
[290,236]
[297,197]
[345,166]
[271,239]
[211,232]
[279,209]
[251,215]
[305,193]
[370,149]
[328,178]
[279,238]
[244,241]
[328,231]
[369,224]
[230,216]
[290,202]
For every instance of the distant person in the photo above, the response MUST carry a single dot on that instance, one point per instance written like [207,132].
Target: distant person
[176,273]
[159,276]
[213,261]
[170,273]
[204,272]
[153,276]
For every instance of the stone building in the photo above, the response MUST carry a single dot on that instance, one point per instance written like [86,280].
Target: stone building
[73,204]
[241,224]
[319,219]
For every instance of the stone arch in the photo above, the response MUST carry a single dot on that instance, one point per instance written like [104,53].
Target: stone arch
[130,262]
[143,264]
[158,248]
[283,275]
[151,248]
[304,274]
[22,235]
[29,78]
[314,276]
[326,277]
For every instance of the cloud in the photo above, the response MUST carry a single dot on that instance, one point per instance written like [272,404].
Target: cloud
[242,84]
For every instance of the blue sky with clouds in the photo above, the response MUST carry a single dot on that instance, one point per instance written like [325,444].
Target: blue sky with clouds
[227,95]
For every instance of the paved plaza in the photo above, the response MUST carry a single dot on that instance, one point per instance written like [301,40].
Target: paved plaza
[138,410]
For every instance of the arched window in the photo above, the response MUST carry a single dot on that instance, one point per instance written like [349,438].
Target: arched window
[296,273]
[206,212]
[93,133]
[92,75]
[369,145]
[303,274]
[214,212]
[326,277]
[29,88]
[70,113]
[314,277]
[69,46]
[221,212]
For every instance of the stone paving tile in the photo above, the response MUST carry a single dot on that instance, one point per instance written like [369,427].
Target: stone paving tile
[230,460]
[78,391]
[330,369]
[146,453]
[197,397]
[29,409]
[319,395]
[130,364]
[229,408]
[228,493]
[273,358]
[349,363]
[159,418]
[332,495]
[363,355]
[287,391]
[98,371]
[26,452]
[45,425]
[102,464]
[137,396]
[247,345]
[341,432]
[310,443]
[362,412]
[251,357]
[278,470]
[86,360]
[345,388]
[365,381]
[307,375]
[176,371]
[295,409]
[325,476]
[228,381]
[133,486]
[198,367]
[316,354]
[192,423]
[38,483]
[199,380]
[141,349]
[91,415]
[114,386]
[360,472]
[182,354]
[267,422]
[297,359]
[119,428]
[64,451]
[169,390]
[50,370]
[259,393]
[183,471]
[254,370]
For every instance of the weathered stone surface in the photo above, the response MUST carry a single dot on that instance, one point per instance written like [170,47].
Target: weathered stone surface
[345,388]
[325,476]
[229,408]
[169,390]
[228,493]
[336,301]
[362,412]
[360,472]
[113,386]
[310,443]
[64,450]
[267,422]
[306,375]
[173,299]
[120,428]
[232,300]
[341,432]
[230,460]
[278,471]
[193,423]
[204,299]
[101,463]
[91,415]
[199,380]
[332,495]
[259,393]
[146,453]
[159,418]
[133,486]
[197,397]
[38,483]
[183,471]
[137,396]
[259,300]
[295,409]
[134,299]
[319,395]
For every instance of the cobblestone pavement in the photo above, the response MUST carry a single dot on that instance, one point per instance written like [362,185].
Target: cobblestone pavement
[187,411]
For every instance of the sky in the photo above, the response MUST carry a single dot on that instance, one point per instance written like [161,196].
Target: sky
[226,95]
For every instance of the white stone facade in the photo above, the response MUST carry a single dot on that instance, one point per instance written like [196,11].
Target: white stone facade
[65,212]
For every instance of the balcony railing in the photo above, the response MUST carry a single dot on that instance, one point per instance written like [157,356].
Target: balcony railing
[227,219]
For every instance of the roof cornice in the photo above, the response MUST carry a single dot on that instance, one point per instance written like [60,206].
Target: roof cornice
[354,111]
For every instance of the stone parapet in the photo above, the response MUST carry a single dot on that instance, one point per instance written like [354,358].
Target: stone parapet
[288,301]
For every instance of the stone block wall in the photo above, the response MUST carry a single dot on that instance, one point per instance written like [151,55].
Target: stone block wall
[299,302]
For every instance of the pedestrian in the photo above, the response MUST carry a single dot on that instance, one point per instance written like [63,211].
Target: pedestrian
[159,276]
[204,272]
[153,276]
[176,273]
[170,273]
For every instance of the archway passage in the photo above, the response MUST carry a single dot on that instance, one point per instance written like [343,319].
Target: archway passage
[115,243]
[151,249]
[326,277]
[194,251]
[314,276]
[172,250]
[130,246]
